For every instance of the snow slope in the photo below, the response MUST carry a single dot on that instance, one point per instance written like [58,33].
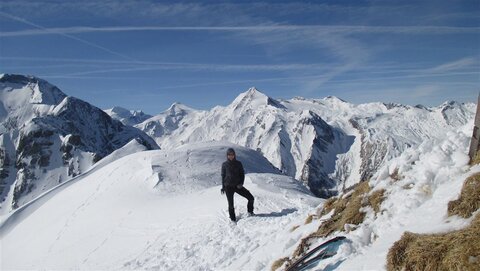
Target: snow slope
[430,176]
[159,210]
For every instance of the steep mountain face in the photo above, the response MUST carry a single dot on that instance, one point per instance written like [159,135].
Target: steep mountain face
[127,117]
[328,144]
[48,137]
[382,131]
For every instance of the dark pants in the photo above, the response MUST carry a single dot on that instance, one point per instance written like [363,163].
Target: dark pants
[230,191]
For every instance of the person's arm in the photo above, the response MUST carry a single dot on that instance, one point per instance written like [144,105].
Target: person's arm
[242,174]
[223,175]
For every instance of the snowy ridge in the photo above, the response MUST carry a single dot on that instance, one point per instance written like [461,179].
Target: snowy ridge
[48,137]
[8,220]
[138,202]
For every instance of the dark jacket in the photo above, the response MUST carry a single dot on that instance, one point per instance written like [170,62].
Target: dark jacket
[232,173]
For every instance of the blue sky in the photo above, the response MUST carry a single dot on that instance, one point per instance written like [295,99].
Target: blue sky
[148,54]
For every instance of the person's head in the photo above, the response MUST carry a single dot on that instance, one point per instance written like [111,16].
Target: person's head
[231,154]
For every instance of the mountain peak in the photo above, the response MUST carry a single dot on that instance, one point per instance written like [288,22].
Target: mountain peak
[31,89]
[119,110]
[127,117]
[176,106]
[255,98]
[335,99]
[178,109]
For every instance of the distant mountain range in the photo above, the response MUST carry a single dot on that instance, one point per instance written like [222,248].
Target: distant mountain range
[328,144]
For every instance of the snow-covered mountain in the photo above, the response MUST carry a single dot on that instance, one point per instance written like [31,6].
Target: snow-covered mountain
[127,117]
[328,144]
[47,137]
[162,209]
[158,210]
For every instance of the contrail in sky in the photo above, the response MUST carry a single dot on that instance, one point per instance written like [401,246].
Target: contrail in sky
[63,33]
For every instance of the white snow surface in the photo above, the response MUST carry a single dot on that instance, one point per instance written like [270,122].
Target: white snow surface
[159,210]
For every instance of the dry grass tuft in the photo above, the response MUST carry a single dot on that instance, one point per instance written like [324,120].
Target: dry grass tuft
[346,211]
[279,263]
[376,199]
[395,175]
[328,206]
[469,200]
[309,219]
[457,250]
[294,228]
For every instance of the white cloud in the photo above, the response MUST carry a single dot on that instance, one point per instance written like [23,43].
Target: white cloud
[467,62]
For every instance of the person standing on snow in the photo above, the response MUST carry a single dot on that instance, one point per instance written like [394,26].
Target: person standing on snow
[233,177]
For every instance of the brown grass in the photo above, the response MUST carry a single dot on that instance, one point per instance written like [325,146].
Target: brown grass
[395,176]
[346,211]
[309,219]
[457,250]
[469,200]
[328,206]
[278,263]
[294,228]
[376,198]
[476,159]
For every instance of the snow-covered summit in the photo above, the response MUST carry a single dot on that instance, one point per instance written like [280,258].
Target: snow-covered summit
[179,109]
[29,89]
[253,98]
